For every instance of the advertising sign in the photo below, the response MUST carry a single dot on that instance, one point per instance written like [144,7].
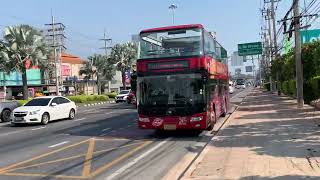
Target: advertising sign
[310,35]
[66,69]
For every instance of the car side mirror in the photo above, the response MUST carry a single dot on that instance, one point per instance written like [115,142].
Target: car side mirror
[54,104]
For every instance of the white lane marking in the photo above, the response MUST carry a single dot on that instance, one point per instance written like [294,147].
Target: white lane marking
[104,134]
[34,129]
[9,133]
[59,144]
[106,129]
[81,119]
[136,160]
[121,128]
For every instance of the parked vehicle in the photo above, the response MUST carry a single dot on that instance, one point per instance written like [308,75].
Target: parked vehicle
[240,84]
[122,96]
[43,110]
[5,110]
[231,87]
[131,98]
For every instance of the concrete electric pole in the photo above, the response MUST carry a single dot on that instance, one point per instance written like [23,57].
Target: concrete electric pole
[299,75]
[106,47]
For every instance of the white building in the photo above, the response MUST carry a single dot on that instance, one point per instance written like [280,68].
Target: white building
[242,65]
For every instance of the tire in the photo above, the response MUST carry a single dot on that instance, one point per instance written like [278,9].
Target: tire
[210,127]
[5,115]
[45,118]
[224,109]
[72,114]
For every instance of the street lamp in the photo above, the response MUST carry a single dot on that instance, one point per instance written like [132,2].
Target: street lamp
[173,7]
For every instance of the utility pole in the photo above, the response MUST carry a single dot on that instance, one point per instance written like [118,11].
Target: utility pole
[106,47]
[55,38]
[275,46]
[299,75]
[55,55]
[270,48]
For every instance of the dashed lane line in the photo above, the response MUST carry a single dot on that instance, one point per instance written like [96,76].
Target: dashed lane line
[59,144]
[81,119]
[106,129]
[34,129]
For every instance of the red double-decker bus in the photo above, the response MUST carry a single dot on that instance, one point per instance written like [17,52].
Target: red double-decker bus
[182,78]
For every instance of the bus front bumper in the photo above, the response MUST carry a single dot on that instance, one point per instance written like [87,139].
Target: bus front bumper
[196,121]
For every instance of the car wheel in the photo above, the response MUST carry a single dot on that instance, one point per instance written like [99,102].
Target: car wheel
[72,114]
[117,101]
[45,119]
[5,115]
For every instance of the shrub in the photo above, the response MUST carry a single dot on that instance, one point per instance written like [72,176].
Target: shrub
[22,102]
[88,98]
[111,95]
[267,86]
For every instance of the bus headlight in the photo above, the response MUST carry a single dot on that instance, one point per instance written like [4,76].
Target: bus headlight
[196,119]
[144,119]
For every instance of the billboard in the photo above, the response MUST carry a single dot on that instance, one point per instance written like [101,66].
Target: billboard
[310,35]
[66,69]
[248,68]
[15,78]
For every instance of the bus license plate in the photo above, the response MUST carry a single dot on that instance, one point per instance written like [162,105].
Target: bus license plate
[170,127]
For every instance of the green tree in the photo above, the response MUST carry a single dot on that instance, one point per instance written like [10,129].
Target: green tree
[24,47]
[124,56]
[88,71]
[104,69]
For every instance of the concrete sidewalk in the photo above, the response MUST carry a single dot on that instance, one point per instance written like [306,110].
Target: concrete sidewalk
[266,138]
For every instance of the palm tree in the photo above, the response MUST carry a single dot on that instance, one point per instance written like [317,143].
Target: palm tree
[105,70]
[24,47]
[88,71]
[124,55]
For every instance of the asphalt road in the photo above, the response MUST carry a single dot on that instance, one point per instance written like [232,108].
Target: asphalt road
[102,142]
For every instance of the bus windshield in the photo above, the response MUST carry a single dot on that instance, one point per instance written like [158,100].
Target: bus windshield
[173,43]
[185,91]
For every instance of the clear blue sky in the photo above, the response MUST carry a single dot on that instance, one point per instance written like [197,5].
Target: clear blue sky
[235,21]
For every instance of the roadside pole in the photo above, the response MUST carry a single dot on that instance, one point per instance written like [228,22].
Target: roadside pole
[299,75]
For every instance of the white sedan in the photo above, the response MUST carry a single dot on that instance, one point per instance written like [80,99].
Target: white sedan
[44,109]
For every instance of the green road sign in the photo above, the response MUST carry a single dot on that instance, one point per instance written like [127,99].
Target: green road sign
[248,49]
[310,35]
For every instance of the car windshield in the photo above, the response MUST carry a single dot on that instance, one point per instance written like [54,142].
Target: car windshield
[173,43]
[38,102]
[124,92]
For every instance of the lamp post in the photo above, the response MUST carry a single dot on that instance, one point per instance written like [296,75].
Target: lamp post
[173,7]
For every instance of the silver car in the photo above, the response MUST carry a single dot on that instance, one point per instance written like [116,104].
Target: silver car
[5,110]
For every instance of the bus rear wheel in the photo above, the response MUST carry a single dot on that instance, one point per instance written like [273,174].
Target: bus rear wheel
[225,110]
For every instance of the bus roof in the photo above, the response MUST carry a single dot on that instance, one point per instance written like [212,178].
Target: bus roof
[186,26]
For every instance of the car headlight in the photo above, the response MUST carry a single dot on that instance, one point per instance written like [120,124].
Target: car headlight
[34,112]
[196,118]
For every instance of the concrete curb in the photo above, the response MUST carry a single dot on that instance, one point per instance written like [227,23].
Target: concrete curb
[95,104]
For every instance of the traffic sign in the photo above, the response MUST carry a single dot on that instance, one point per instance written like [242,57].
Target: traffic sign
[310,35]
[248,49]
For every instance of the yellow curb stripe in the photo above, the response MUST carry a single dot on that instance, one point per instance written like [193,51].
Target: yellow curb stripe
[87,164]
[117,160]
[45,175]
[41,156]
